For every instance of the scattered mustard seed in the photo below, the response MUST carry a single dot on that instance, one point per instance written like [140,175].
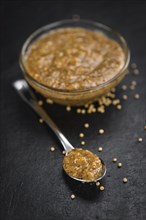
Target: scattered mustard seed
[100,149]
[86,105]
[73,196]
[108,102]
[125,180]
[41,120]
[86,125]
[81,135]
[82,142]
[140,140]
[111,95]
[97,183]
[78,110]
[136,72]
[68,108]
[83,111]
[132,87]
[125,97]
[40,102]
[119,165]
[63,152]
[113,89]
[115,101]
[119,107]
[49,101]
[101,188]
[137,96]
[101,109]
[90,109]
[124,87]
[114,160]
[89,112]
[52,149]
[101,131]
[133,82]
[94,110]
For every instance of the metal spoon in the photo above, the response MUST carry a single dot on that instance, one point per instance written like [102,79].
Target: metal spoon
[26,93]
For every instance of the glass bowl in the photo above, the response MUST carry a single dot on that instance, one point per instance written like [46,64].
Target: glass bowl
[83,96]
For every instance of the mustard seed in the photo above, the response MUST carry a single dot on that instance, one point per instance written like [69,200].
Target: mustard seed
[125,97]
[140,140]
[125,180]
[63,152]
[132,87]
[133,83]
[97,183]
[89,111]
[113,90]
[83,111]
[81,135]
[100,149]
[52,149]
[119,165]
[41,120]
[124,87]
[101,109]
[119,107]
[68,108]
[136,72]
[101,188]
[137,96]
[114,160]
[115,101]
[82,142]
[101,131]
[86,125]
[40,102]
[78,110]
[111,95]
[73,196]
[107,102]
[94,110]
[86,105]
[49,101]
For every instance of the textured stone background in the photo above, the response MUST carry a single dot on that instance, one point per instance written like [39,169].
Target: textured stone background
[33,185]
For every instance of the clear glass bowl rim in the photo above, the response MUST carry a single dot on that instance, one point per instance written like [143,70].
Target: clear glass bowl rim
[67,21]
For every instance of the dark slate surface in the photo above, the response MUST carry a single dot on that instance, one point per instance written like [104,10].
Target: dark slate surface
[33,185]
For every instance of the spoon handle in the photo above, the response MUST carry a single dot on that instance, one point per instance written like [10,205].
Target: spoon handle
[25,92]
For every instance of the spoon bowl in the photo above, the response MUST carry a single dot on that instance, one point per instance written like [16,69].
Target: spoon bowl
[88,181]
